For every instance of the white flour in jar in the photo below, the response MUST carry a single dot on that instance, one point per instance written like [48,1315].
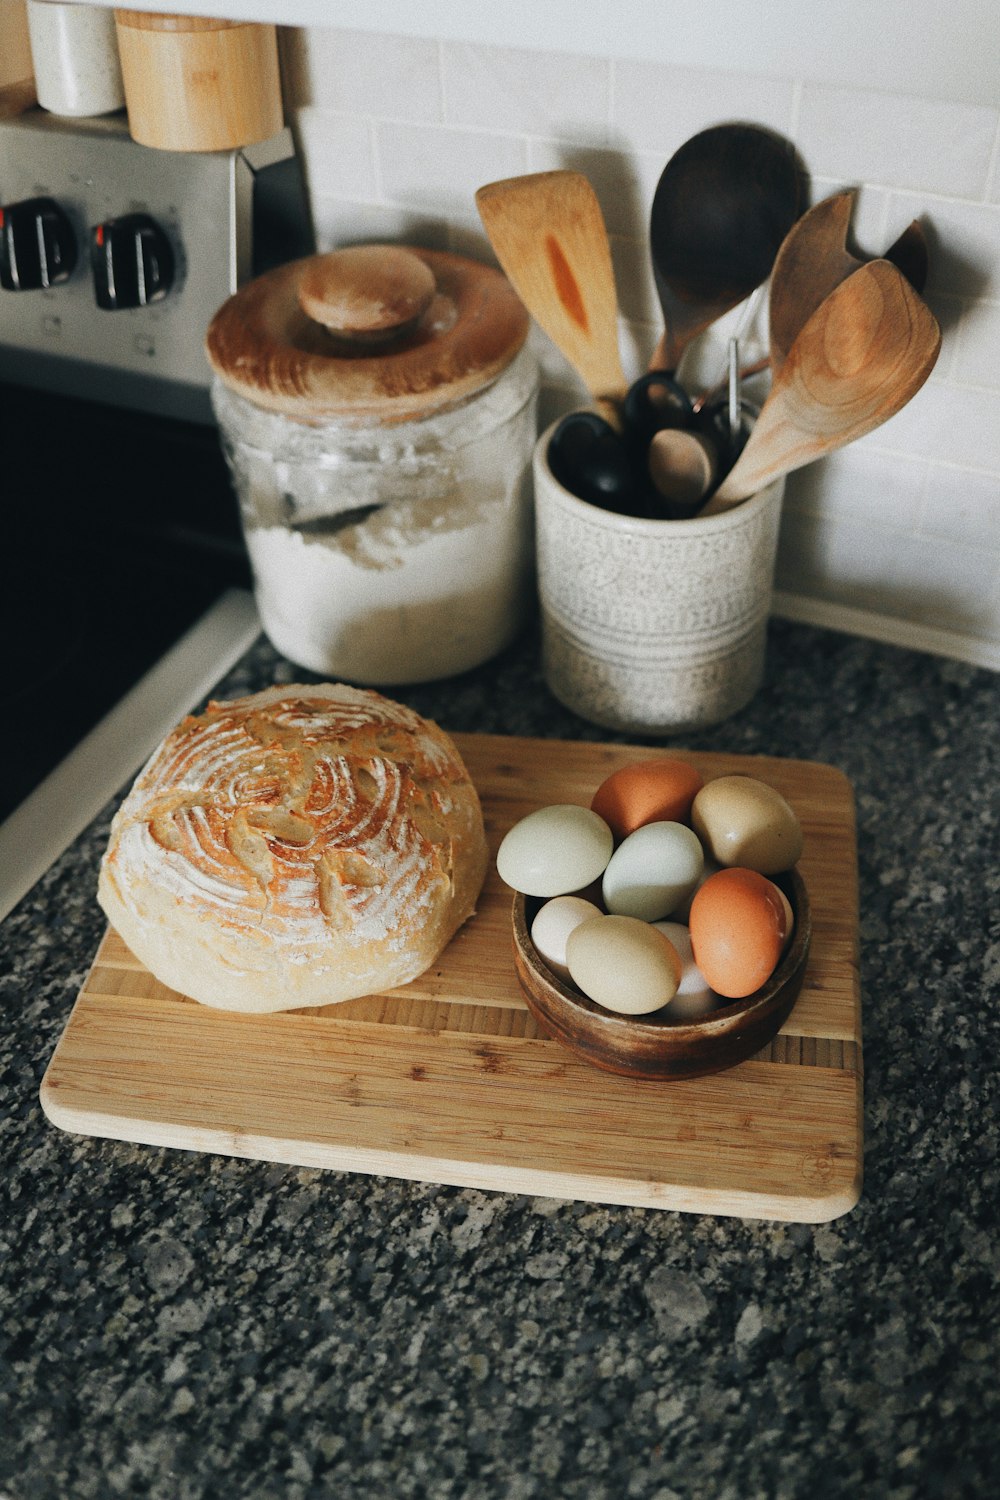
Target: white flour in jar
[434,601]
[396,555]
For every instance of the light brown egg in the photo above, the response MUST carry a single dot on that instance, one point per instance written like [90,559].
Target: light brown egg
[739,925]
[743,821]
[651,791]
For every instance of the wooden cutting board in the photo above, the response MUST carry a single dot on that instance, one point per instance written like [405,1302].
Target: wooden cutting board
[448,1079]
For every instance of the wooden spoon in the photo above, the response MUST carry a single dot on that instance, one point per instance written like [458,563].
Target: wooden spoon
[550,238]
[864,352]
[722,207]
[682,465]
[814,259]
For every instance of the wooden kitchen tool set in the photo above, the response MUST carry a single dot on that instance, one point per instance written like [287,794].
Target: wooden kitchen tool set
[449,1079]
[725,217]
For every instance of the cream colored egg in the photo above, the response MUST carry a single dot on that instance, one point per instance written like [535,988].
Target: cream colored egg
[694,995]
[653,871]
[555,850]
[553,924]
[623,964]
[743,821]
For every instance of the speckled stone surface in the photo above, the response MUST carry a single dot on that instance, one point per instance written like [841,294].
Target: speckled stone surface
[177,1326]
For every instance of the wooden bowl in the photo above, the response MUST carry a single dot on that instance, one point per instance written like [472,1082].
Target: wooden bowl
[655,1046]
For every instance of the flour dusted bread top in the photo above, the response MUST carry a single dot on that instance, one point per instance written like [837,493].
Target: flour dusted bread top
[297,847]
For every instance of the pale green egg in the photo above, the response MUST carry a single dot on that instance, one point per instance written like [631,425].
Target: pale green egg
[653,871]
[555,850]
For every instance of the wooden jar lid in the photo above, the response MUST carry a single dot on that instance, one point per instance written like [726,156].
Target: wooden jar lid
[375,332]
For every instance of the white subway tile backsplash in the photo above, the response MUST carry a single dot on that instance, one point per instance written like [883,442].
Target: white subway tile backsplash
[951,423]
[904,525]
[554,402]
[623,181]
[656,108]
[896,141]
[887,572]
[963,241]
[638,342]
[440,168]
[977,360]
[867,235]
[339,222]
[863,485]
[351,71]
[468,237]
[993,190]
[950,313]
[554,368]
[338,151]
[532,93]
[637,299]
[963,506]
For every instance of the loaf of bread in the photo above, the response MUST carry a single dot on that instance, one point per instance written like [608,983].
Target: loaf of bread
[298,847]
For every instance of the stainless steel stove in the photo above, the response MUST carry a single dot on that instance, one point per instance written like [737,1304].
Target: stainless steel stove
[126,585]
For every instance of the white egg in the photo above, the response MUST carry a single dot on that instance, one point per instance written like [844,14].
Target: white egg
[694,994]
[623,964]
[653,871]
[555,850]
[553,924]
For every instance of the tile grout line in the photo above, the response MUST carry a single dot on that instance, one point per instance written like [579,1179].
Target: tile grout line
[992,166]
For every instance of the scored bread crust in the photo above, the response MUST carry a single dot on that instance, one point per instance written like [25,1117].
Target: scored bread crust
[298,847]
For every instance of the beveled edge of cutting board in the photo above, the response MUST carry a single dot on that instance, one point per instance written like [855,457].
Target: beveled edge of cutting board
[803,1208]
[744,1111]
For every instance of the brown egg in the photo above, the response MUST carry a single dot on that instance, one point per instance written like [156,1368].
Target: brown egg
[651,791]
[738,924]
[743,821]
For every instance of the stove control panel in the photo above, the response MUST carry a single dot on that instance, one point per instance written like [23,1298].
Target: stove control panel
[114,256]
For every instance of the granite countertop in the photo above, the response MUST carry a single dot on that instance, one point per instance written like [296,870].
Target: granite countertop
[178,1325]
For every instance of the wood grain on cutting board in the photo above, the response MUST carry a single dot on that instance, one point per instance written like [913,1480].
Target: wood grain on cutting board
[448,1079]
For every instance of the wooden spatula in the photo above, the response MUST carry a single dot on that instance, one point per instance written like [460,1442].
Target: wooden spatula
[549,236]
[814,258]
[864,352]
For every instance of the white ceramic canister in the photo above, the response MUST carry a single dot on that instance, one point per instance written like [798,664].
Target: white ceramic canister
[650,626]
[74,51]
[383,469]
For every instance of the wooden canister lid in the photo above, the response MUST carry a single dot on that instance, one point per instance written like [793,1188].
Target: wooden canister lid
[372,333]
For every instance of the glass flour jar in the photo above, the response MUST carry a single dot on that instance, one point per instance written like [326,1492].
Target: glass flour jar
[377,408]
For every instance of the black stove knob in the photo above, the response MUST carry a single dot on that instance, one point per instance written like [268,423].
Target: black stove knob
[132,261]
[37,245]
